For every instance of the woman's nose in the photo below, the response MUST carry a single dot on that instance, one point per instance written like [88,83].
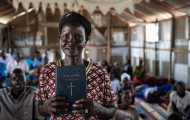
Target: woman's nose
[72,39]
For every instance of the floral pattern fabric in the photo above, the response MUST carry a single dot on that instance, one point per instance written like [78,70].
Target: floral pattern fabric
[98,88]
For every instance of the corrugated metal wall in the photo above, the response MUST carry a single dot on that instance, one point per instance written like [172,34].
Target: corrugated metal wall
[158,55]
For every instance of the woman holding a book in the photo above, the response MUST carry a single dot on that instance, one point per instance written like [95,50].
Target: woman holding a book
[98,104]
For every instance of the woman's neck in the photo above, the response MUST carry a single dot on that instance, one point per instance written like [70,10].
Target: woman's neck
[73,61]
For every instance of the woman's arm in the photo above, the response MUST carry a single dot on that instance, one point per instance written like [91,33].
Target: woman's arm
[104,112]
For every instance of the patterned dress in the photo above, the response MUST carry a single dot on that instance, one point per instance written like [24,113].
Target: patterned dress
[98,87]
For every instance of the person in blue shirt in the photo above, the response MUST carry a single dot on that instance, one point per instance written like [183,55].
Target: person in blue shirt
[3,75]
[38,61]
[152,93]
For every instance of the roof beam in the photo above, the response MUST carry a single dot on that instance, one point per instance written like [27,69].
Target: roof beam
[2,3]
[139,11]
[6,6]
[5,12]
[122,19]
[164,6]
[150,8]
[161,13]
[127,11]
[184,2]
[177,3]
[132,17]
[139,15]
[143,9]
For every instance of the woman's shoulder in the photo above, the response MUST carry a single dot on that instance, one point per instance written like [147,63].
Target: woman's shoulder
[49,66]
[94,65]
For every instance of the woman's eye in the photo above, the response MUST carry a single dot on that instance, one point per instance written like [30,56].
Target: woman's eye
[67,36]
[79,38]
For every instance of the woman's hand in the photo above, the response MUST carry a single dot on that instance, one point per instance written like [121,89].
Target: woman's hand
[84,107]
[55,105]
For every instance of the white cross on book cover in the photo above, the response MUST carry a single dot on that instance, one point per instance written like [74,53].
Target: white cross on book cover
[71,83]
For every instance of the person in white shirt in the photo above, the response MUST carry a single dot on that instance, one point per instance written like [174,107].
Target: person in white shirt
[115,83]
[179,100]
[17,62]
[17,101]
[5,57]
[126,111]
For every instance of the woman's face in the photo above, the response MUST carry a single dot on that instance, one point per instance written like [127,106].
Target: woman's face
[72,39]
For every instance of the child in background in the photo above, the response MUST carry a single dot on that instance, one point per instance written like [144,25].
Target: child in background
[179,101]
[126,111]
[126,84]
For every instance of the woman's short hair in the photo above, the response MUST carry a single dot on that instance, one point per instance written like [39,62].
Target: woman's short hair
[75,17]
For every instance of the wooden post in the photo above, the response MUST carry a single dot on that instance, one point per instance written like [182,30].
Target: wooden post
[172,47]
[109,40]
[8,36]
[144,52]
[45,29]
[156,50]
[156,59]
[5,35]
[129,42]
[35,32]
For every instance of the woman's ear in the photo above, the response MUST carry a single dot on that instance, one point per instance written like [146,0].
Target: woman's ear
[87,38]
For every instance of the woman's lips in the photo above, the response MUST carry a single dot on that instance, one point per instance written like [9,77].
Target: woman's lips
[72,48]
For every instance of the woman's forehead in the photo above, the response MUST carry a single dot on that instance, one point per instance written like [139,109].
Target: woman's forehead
[73,28]
[73,25]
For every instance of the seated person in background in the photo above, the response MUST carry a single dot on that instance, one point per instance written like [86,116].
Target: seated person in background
[128,68]
[176,116]
[34,77]
[126,84]
[124,75]
[17,101]
[140,71]
[126,111]
[115,83]
[3,74]
[117,70]
[179,100]
[152,94]
[17,62]
[105,64]
[37,59]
